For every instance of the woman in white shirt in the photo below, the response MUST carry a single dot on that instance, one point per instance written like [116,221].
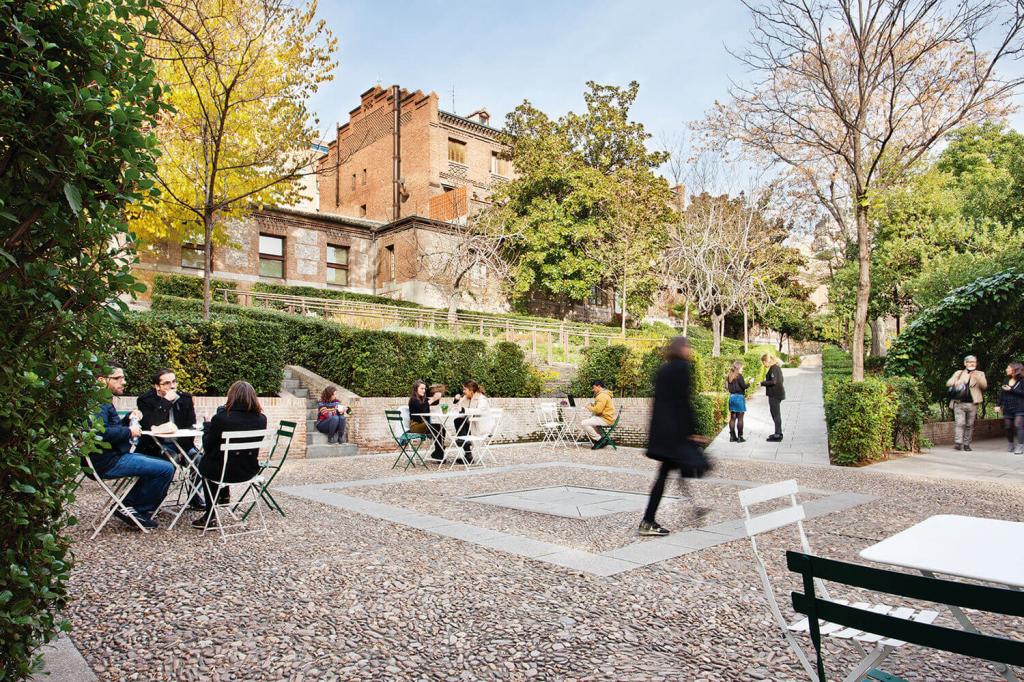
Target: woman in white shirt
[472,402]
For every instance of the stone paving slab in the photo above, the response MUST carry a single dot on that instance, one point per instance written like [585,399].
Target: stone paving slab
[989,461]
[552,500]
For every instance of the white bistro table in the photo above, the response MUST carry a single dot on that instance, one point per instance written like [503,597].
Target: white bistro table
[447,420]
[988,550]
[185,470]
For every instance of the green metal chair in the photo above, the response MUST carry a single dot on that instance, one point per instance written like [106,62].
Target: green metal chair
[407,441]
[607,431]
[275,460]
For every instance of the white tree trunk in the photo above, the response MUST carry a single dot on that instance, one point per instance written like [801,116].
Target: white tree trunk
[746,336]
[686,318]
[860,318]
[207,263]
[878,337]
[717,324]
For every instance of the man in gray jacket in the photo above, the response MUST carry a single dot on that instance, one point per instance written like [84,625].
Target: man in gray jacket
[967,388]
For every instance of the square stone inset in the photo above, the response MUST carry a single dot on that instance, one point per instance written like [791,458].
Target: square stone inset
[570,501]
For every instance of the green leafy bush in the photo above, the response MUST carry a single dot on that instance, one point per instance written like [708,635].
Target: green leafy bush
[379,363]
[601,363]
[860,420]
[911,409]
[78,102]
[207,356]
[188,286]
[334,294]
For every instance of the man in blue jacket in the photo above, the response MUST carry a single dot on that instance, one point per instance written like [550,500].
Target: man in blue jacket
[154,473]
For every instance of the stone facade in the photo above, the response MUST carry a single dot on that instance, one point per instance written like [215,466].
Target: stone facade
[276,409]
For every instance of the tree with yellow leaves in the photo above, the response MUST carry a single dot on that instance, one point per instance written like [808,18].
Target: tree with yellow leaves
[238,75]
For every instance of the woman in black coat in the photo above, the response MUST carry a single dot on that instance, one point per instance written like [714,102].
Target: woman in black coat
[242,412]
[776,392]
[672,438]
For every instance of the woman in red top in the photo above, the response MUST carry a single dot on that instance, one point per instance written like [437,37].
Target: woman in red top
[331,415]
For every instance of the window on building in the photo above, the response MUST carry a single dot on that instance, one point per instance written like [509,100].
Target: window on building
[456,151]
[353,181]
[499,166]
[271,256]
[192,255]
[364,176]
[362,211]
[389,261]
[337,265]
[598,296]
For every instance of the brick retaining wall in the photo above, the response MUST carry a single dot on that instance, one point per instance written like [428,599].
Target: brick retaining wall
[276,409]
[368,429]
[941,433]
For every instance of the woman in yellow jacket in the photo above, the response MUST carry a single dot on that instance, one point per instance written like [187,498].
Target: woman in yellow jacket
[604,414]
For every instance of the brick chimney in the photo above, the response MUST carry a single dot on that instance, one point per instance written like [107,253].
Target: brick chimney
[480,116]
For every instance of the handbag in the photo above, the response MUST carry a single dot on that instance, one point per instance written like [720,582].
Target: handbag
[692,461]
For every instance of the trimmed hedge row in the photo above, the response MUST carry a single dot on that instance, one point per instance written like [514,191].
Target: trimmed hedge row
[334,294]
[207,356]
[869,418]
[378,363]
[187,286]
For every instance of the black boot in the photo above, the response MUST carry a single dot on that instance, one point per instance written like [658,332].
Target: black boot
[732,436]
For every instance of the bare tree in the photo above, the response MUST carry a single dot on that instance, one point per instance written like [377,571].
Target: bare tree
[849,94]
[465,258]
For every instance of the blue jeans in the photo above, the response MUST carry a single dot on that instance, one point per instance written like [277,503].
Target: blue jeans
[333,426]
[155,475]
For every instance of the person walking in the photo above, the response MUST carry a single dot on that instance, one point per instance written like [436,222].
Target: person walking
[1011,405]
[673,438]
[737,386]
[966,391]
[776,392]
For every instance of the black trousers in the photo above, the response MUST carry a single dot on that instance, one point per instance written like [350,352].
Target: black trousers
[657,490]
[462,429]
[775,405]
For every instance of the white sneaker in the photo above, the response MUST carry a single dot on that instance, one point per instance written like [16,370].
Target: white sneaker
[1019,450]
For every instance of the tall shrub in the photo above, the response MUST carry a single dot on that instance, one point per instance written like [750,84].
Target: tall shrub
[76,92]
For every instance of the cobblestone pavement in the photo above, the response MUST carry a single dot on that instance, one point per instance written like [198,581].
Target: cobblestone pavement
[335,594]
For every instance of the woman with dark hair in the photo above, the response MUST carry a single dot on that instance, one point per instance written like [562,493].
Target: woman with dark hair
[330,415]
[736,385]
[419,405]
[241,412]
[471,402]
[673,438]
[1011,405]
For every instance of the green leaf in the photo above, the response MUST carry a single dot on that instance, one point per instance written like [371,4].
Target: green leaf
[74,197]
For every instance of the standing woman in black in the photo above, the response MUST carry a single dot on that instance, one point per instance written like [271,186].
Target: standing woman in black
[672,435]
[776,392]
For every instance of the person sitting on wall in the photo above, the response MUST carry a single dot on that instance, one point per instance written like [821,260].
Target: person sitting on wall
[162,404]
[331,415]
[603,410]
[154,473]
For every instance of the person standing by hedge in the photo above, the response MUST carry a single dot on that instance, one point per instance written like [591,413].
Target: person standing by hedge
[1011,406]
[737,386]
[603,410]
[776,392]
[672,433]
[966,391]
[331,415]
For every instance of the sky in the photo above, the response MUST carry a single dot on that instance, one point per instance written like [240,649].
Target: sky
[496,54]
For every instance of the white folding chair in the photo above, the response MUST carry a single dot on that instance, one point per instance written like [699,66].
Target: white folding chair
[489,423]
[235,444]
[552,428]
[116,489]
[794,514]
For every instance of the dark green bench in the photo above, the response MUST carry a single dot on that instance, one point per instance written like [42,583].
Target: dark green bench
[947,592]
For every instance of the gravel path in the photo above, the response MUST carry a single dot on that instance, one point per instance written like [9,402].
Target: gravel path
[333,595]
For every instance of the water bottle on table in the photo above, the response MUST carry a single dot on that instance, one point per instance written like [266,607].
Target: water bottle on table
[134,422]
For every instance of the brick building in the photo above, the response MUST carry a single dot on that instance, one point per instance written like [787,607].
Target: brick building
[372,216]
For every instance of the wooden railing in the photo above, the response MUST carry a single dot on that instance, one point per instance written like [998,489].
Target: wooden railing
[555,340]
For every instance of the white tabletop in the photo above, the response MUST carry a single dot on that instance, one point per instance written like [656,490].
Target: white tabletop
[990,550]
[180,433]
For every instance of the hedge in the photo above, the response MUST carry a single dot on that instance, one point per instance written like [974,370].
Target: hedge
[188,286]
[869,418]
[334,294]
[207,356]
[381,363]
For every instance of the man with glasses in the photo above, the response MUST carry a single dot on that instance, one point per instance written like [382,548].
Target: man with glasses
[154,473]
[162,404]
[966,390]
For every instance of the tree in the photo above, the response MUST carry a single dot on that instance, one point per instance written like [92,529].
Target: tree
[78,97]
[239,74]
[572,176]
[721,247]
[848,95]
[465,258]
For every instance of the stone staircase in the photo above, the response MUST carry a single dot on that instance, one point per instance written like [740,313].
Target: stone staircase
[316,442]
